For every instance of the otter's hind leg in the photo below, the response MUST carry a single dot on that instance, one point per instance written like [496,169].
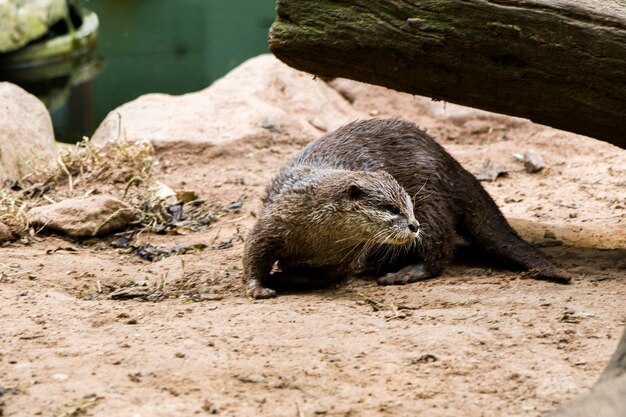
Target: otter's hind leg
[482,223]
[435,245]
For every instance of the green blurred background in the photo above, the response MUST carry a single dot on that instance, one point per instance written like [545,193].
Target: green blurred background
[166,46]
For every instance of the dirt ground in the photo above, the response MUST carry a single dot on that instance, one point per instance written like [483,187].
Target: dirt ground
[477,341]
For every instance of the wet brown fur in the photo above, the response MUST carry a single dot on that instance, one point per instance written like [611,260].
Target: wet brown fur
[326,214]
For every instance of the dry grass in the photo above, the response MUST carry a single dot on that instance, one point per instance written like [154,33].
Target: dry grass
[115,162]
[118,168]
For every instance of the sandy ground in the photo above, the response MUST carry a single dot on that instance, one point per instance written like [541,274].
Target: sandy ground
[478,341]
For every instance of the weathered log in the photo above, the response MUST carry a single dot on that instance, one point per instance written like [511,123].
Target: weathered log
[557,62]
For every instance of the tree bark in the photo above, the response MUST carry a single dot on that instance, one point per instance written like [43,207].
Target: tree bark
[557,62]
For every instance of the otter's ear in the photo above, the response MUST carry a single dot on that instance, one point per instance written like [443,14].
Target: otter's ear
[354,192]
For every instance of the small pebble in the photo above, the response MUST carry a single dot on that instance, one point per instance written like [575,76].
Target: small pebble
[270,124]
[209,407]
[549,235]
[136,377]
[533,162]
[250,378]
[319,124]
[211,297]
[428,358]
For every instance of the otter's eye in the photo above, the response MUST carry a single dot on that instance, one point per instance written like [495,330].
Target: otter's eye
[392,209]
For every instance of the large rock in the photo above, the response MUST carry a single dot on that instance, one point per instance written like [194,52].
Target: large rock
[23,21]
[83,217]
[26,135]
[261,96]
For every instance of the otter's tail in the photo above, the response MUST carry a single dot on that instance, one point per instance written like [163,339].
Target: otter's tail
[489,230]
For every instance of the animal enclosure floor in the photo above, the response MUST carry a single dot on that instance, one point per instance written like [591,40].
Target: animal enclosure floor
[477,341]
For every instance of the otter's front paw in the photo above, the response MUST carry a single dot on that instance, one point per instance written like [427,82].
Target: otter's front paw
[406,275]
[259,293]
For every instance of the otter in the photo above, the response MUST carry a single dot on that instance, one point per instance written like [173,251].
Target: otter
[378,197]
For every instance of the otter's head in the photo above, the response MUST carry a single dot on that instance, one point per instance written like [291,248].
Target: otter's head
[371,207]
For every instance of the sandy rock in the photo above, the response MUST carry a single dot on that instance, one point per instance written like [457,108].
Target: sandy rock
[97,215]
[259,97]
[5,233]
[23,21]
[380,101]
[26,134]
[606,399]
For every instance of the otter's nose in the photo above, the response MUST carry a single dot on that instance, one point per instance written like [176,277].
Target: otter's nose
[414,226]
